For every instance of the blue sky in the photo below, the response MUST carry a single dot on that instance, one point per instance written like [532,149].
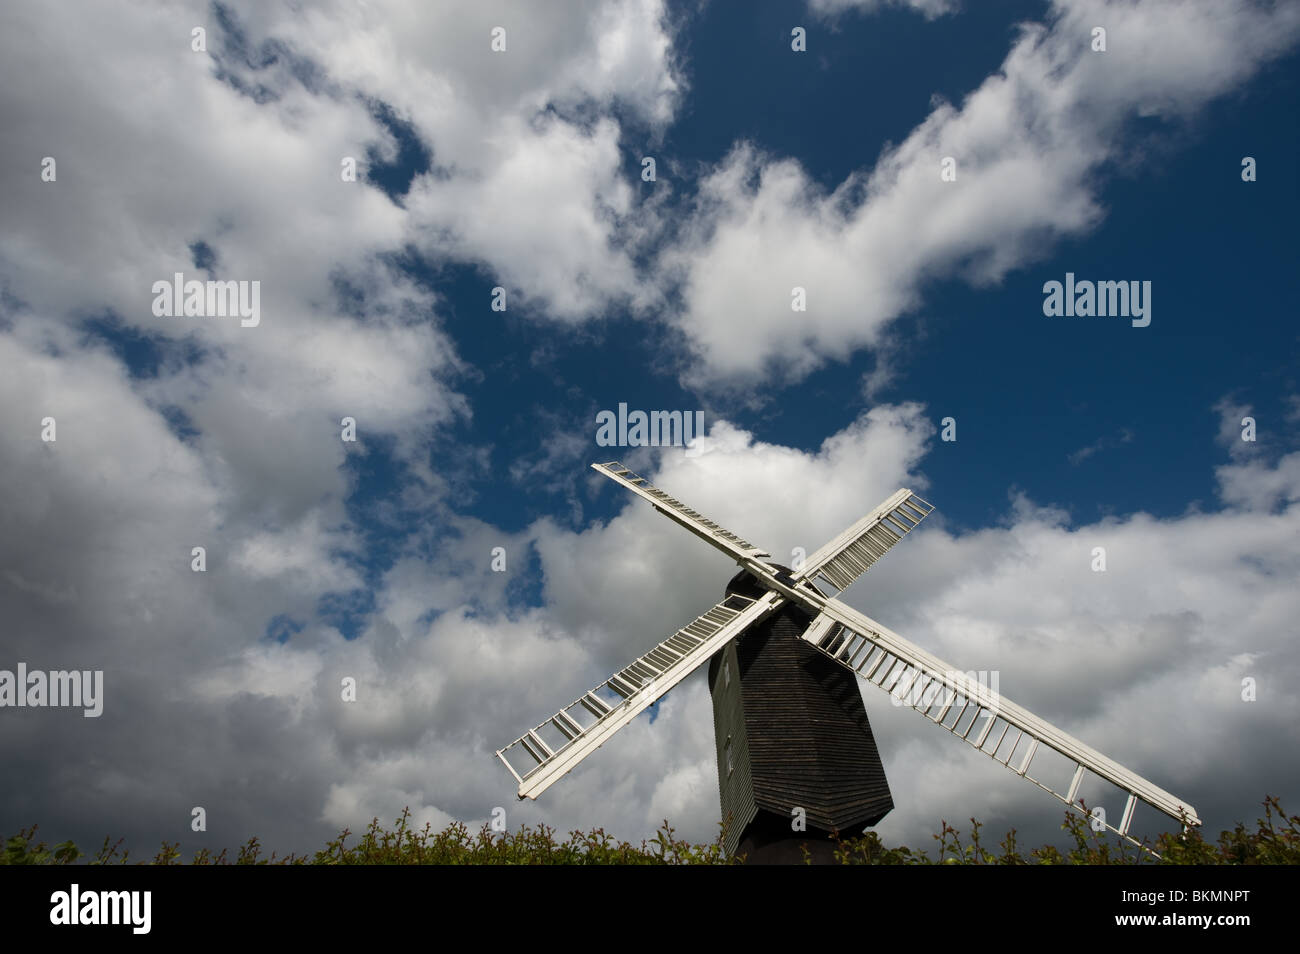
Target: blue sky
[522,169]
[1028,391]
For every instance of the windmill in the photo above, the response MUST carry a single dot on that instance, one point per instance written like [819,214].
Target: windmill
[791,731]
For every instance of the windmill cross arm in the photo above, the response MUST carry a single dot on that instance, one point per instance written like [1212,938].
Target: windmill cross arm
[892,663]
[852,553]
[697,523]
[544,754]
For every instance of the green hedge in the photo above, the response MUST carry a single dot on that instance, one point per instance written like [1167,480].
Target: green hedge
[1274,840]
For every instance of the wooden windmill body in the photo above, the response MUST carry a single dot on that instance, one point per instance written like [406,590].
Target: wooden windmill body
[797,761]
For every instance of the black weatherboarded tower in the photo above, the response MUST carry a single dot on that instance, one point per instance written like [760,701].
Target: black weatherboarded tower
[791,733]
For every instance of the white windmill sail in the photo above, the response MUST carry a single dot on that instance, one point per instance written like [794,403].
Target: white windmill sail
[848,556]
[539,757]
[995,725]
[698,524]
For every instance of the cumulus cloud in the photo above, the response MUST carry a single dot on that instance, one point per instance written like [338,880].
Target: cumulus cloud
[528,180]
[225,163]
[1031,145]
[244,146]
[1259,476]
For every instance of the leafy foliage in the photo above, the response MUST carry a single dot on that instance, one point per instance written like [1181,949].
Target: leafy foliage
[1275,840]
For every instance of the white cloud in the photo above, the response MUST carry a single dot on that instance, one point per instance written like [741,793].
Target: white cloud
[1257,478]
[1029,146]
[159,147]
[929,8]
[528,177]
[544,216]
